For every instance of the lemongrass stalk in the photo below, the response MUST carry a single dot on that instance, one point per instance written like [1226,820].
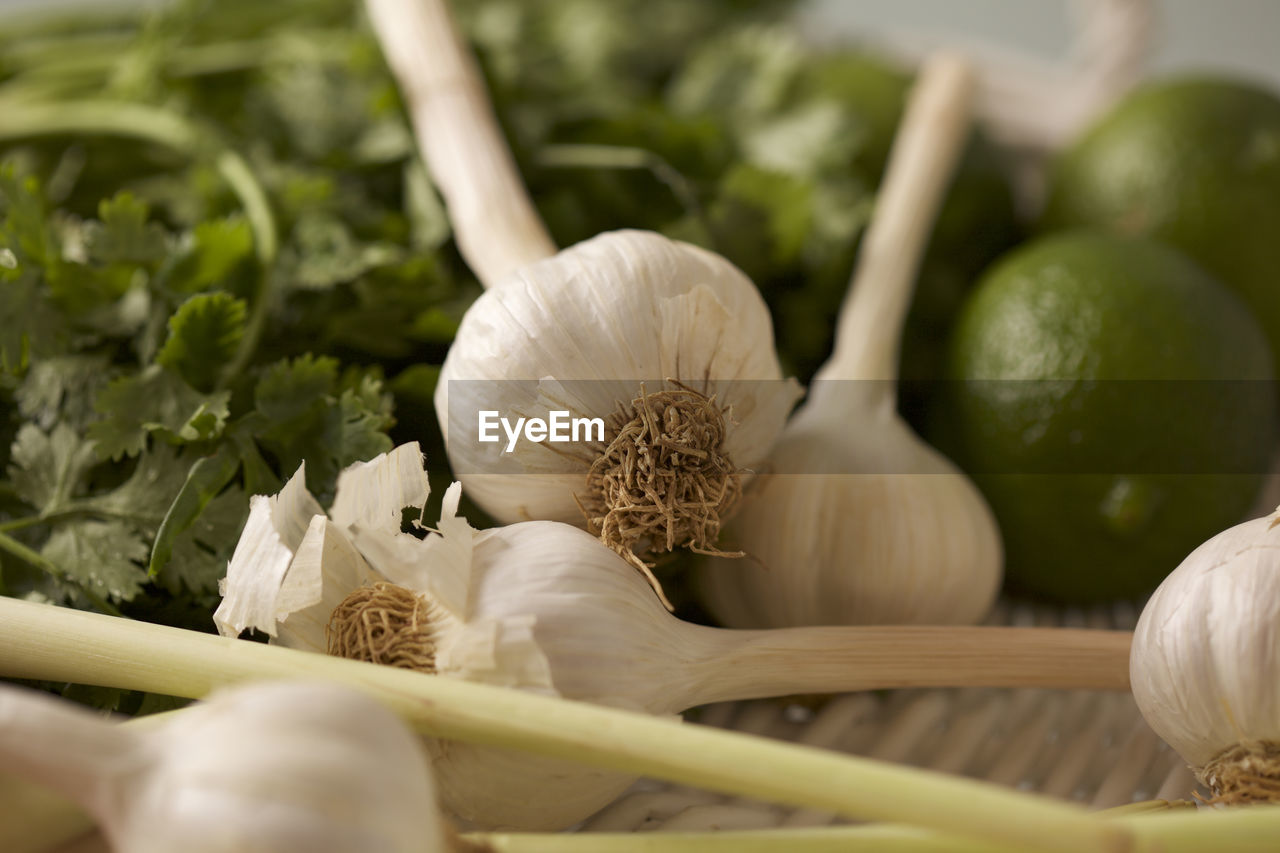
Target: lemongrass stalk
[45,642]
[171,130]
[1243,829]
[498,230]
[1146,807]
[828,839]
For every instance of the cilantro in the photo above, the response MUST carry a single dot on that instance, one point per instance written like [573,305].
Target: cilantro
[204,334]
[156,401]
[124,235]
[311,412]
[48,469]
[217,247]
[104,557]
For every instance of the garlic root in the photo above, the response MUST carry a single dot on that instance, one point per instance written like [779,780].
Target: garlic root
[494,220]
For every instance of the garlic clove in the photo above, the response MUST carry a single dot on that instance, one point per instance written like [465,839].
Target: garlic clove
[1205,664]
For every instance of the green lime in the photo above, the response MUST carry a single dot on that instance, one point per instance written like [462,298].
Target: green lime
[1194,162]
[1114,406]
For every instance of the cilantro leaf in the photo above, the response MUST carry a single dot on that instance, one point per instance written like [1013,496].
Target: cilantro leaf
[104,557]
[62,388]
[49,469]
[201,552]
[204,334]
[124,235]
[156,401]
[326,253]
[150,490]
[30,324]
[308,414]
[206,478]
[25,230]
[217,247]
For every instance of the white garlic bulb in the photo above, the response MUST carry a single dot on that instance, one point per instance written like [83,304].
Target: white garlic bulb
[1205,665]
[587,333]
[859,520]
[582,332]
[545,607]
[276,767]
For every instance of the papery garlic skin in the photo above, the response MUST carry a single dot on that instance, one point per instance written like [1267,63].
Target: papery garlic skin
[603,316]
[1205,664]
[856,548]
[286,767]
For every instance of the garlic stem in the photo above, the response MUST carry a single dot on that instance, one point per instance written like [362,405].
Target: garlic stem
[494,220]
[926,148]
[40,641]
[783,661]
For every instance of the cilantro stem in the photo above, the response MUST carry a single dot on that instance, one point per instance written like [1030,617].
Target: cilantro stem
[44,564]
[169,129]
[72,511]
[91,56]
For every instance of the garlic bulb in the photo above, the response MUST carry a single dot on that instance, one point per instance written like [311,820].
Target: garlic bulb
[668,345]
[1205,664]
[860,521]
[545,607]
[588,330]
[279,767]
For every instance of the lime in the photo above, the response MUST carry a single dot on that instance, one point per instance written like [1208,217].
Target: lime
[1194,162]
[1114,407]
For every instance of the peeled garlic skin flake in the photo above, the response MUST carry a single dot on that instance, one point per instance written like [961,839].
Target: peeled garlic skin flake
[617,310]
[1205,664]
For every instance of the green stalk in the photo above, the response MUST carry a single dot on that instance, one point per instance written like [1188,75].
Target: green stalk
[1180,830]
[171,130]
[44,642]
[73,510]
[90,57]
[1243,829]
[826,839]
[37,821]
